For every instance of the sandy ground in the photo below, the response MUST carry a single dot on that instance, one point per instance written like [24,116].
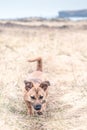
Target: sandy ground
[63,47]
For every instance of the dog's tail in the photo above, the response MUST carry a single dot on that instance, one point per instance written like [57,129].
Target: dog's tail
[39,63]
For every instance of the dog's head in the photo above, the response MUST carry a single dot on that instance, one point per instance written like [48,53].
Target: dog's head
[36,93]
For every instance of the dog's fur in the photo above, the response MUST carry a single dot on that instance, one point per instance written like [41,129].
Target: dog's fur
[36,90]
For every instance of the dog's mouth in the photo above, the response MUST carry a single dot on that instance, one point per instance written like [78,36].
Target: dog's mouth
[39,113]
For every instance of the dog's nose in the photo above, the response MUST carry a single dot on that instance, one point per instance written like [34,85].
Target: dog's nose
[37,107]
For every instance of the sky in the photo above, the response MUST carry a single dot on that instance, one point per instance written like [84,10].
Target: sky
[37,8]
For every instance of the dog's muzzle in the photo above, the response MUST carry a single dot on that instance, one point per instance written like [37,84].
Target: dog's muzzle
[37,107]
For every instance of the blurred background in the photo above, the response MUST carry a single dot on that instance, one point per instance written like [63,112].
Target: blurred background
[11,9]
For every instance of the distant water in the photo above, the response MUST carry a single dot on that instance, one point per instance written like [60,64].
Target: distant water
[77,18]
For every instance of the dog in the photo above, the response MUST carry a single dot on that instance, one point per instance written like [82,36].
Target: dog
[36,90]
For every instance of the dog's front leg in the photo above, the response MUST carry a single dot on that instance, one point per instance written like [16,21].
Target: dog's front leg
[29,107]
[44,107]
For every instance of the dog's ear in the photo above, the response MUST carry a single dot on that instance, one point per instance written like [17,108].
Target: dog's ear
[44,85]
[28,85]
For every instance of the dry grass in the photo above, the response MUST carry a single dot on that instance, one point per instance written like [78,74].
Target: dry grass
[63,47]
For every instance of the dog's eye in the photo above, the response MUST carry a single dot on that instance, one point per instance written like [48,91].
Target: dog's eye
[40,97]
[32,97]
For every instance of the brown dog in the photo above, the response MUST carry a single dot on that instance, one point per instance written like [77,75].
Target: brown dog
[36,90]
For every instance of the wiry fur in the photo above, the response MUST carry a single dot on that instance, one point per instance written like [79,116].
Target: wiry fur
[36,89]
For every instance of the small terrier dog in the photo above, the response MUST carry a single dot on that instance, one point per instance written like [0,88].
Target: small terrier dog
[36,90]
